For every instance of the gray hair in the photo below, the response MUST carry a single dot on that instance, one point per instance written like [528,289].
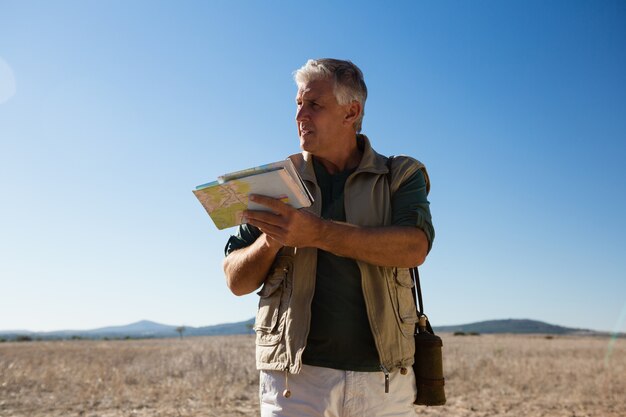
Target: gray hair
[349,84]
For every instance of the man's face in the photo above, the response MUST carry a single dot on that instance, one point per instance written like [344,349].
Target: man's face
[320,119]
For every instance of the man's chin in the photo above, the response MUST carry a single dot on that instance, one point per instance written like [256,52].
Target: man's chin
[306,144]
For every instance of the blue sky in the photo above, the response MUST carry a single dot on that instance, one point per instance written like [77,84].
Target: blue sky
[112,112]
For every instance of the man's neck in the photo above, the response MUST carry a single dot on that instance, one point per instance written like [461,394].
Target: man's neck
[342,160]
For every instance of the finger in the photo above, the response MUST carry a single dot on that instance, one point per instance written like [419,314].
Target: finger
[273,203]
[251,216]
[272,231]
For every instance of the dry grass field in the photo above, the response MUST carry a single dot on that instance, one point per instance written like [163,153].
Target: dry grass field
[488,375]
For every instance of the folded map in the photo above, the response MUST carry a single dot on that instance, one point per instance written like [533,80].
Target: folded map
[226,199]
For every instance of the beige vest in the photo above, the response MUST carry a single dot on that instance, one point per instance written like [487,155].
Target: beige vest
[284,314]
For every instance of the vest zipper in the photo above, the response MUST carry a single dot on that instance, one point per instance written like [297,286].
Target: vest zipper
[386,372]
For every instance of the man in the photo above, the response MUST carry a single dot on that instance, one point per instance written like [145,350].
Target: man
[336,314]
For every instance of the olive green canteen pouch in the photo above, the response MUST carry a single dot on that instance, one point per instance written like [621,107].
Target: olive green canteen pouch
[428,365]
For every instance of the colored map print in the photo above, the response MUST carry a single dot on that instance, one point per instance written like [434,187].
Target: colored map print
[225,203]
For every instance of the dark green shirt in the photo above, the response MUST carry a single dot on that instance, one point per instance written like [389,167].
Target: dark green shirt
[340,336]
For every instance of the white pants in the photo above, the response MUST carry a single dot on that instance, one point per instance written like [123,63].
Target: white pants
[326,392]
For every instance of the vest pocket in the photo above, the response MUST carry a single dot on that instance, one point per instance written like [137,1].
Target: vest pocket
[273,303]
[406,306]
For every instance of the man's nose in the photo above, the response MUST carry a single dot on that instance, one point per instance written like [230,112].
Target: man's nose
[302,114]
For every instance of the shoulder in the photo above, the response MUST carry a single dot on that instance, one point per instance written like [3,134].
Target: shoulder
[404,167]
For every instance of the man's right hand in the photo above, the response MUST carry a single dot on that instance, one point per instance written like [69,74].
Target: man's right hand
[285,224]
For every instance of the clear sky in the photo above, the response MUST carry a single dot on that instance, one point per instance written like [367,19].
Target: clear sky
[111,112]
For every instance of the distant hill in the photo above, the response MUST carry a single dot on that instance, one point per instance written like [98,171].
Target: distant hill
[145,327]
[516,326]
[150,329]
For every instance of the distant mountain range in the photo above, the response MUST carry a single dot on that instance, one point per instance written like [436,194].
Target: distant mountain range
[141,329]
[150,329]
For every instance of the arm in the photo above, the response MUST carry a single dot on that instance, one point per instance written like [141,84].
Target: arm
[394,246]
[246,268]
[399,246]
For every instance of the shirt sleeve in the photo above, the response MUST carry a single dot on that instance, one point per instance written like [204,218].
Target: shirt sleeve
[246,236]
[410,206]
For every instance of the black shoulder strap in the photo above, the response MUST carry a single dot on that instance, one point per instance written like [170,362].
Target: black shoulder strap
[389,178]
[417,294]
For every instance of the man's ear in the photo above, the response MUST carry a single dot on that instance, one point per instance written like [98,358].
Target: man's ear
[353,111]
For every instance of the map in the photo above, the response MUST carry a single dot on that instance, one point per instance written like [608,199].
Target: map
[225,203]
[226,199]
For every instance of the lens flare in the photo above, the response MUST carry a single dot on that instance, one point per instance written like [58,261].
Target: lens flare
[615,335]
[7,82]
